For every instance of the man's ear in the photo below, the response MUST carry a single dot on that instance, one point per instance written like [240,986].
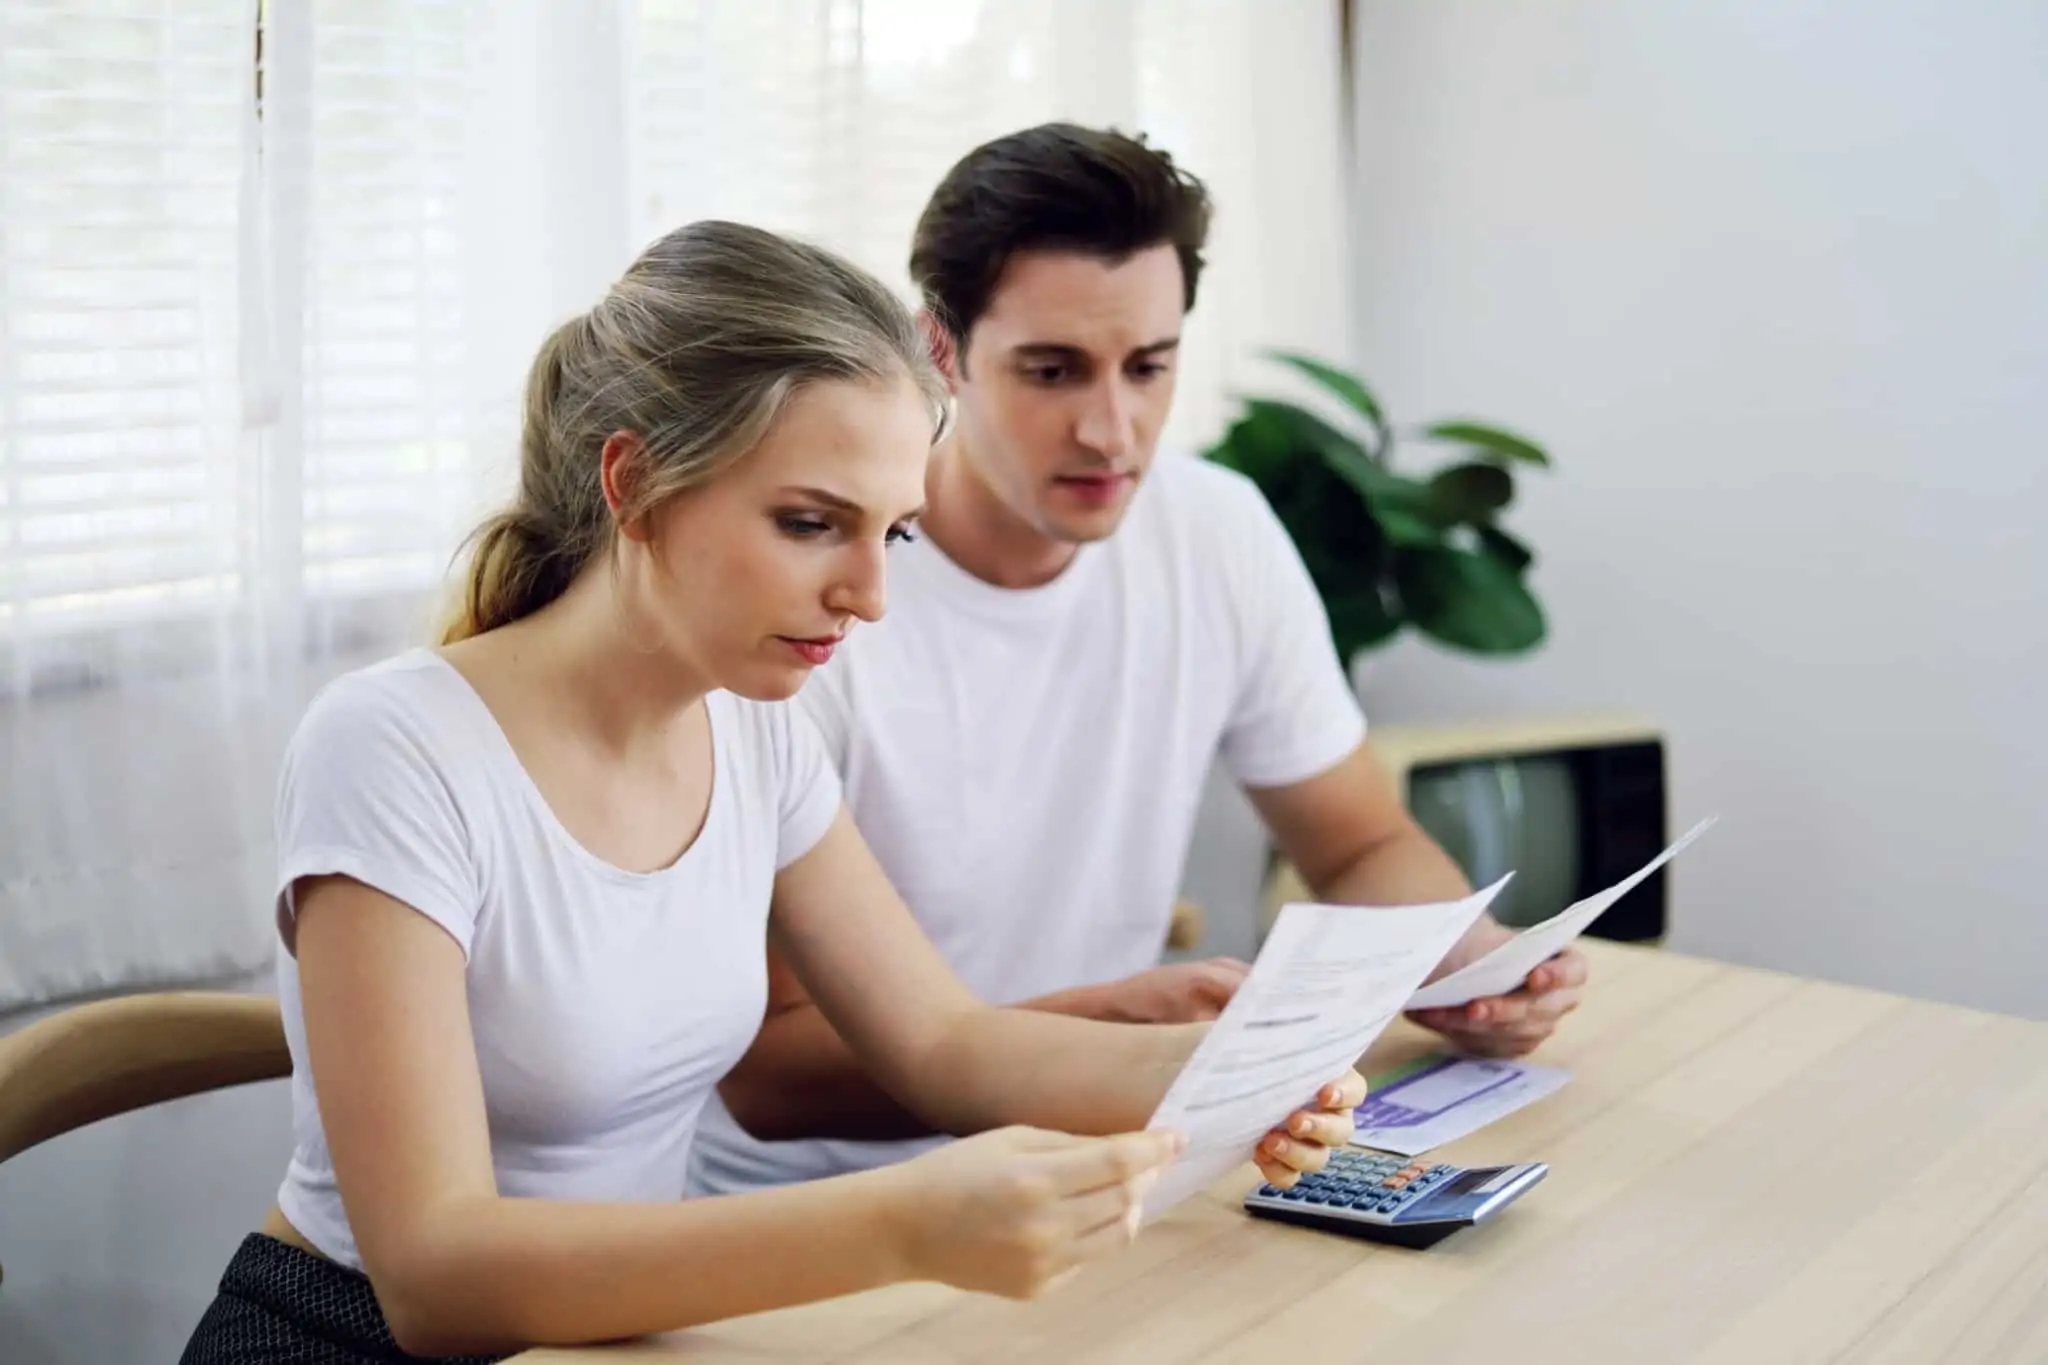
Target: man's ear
[619,470]
[938,340]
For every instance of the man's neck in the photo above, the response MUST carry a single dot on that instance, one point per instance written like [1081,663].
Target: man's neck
[966,520]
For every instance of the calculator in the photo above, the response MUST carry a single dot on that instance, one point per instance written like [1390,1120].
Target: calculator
[1393,1199]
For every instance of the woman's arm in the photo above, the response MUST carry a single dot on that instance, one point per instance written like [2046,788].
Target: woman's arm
[799,1079]
[959,1065]
[460,1269]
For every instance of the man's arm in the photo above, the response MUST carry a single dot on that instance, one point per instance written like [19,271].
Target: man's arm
[1354,843]
[801,1080]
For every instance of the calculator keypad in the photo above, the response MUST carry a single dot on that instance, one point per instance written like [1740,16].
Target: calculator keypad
[1365,1183]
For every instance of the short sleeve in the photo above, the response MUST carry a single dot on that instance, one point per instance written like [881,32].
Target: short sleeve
[364,796]
[1295,714]
[810,794]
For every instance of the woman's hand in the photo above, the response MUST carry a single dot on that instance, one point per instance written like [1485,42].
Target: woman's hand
[1304,1142]
[1014,1211]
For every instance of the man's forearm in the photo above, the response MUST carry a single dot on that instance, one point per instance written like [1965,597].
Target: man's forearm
[1405,868]
[801,1080]
[1410,869]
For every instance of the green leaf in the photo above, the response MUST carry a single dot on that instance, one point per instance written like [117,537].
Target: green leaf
[1341,452]
[1277,420]
[1255,446]
[1468,600]
[1407,510]
[1406,524]
[1493,440]
[1505,547]
[1360,618]
[1473,492]
[1348,387]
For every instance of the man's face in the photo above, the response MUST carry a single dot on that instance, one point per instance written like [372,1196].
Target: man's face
[1064,385]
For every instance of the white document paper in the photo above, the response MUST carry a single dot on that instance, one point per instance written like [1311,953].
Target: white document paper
[1328,979]
[1442,1098]
[1506,967]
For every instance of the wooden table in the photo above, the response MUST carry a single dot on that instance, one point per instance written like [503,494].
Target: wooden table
[1747,1168]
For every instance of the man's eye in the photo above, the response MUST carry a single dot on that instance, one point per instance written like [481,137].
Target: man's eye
[802,527]
[900,535]
[1151,369]
[1046,374]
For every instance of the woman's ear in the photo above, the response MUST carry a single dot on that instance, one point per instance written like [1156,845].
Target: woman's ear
[938,340]
[618,470]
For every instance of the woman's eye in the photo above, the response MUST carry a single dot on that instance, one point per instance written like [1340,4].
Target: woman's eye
[901,535]
[803,527]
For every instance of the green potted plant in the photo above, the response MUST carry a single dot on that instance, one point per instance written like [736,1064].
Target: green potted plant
[1389,549]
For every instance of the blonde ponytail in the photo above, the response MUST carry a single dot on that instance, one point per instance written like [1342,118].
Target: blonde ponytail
[695,350]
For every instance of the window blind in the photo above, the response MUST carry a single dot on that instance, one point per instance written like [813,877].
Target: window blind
[828,119]
[120,156]
[387,462]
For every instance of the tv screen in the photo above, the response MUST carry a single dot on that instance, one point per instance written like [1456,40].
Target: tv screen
[1567,823]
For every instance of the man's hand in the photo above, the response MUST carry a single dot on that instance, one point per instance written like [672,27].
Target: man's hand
[1512,1024]
[1180,993]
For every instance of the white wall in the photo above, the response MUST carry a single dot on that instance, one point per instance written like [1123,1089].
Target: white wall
[1772,279]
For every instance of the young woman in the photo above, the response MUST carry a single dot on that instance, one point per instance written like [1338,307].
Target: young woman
[525,880]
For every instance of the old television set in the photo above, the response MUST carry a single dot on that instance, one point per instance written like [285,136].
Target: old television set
[1570,806]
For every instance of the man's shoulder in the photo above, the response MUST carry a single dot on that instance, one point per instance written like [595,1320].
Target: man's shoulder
[1201,493]
[1215,522]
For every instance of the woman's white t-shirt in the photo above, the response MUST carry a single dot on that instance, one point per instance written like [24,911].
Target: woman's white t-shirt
[605,1004]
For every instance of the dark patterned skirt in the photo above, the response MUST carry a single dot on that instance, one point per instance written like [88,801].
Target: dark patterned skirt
[279,1305]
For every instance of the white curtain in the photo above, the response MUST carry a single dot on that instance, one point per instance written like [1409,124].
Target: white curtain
[235,443]
[833,119]
[260,361]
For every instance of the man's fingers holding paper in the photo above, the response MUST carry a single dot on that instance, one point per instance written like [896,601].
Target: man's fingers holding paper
[1565,971]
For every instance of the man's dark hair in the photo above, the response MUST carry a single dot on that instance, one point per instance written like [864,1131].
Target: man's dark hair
[1056,187]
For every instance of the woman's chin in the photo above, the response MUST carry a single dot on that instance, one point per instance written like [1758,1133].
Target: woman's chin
[773,682]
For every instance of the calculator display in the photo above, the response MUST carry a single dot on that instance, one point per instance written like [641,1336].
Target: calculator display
[1484,1180]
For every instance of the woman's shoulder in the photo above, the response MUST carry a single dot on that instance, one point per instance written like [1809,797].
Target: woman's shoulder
[775,745]
[764,731]
[415,700]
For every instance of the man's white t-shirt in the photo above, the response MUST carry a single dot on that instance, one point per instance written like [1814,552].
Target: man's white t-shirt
[1027,764]
[605,1004]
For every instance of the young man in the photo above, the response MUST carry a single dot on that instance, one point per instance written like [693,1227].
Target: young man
[1025,736]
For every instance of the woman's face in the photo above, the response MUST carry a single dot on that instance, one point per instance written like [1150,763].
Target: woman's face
[759,573]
